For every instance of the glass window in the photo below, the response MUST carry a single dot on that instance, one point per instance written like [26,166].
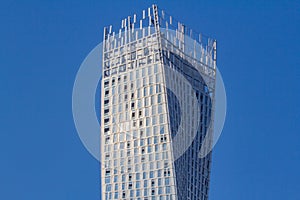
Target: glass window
[154,110]
[168,189]
[146,51]
[138,93]
[138,176]
[151,90]
[152,176]
[155,68]
[144,81]
[148,121]
[138,193]
[143,72]
[147,103]
[160,108]
[155,140]
[122,68]
[149,149]
[154,120]
[145,91]
[158,88]
[158,78]
[147,112]
[161,118]
[159,98]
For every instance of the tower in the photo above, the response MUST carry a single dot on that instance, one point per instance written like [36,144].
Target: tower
[157,109]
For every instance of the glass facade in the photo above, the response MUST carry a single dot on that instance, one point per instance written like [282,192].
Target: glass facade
[142,114]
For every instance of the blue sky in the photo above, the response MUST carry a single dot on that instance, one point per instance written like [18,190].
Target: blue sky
[44,43]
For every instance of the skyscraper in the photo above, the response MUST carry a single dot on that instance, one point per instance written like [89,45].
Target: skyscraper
[157,109]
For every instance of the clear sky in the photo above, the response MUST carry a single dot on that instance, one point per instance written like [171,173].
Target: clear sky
[44,42]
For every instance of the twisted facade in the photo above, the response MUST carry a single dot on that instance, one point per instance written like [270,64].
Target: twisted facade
[157,109]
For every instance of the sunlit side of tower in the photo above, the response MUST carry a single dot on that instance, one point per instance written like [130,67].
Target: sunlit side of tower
[157,109]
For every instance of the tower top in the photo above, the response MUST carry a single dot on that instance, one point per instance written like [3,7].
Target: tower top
[154,16]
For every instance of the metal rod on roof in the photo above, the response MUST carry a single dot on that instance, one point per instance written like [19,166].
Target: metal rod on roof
[132,28]
[137,35]
[110,29]
[129,27]
[104,38]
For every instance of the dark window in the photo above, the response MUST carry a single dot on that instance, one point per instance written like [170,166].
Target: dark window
[106,83]
[106,73]
[122,68]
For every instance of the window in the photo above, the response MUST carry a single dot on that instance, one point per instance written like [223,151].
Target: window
[133,55]
[154,120]
[168,189]
[147,112]
[123,59]
[106,73]
[151,89]
[149,59]
[167,181]
[113,71]
[145,91]
[161,118]
[159,98]
[107,180]
[143,72]
[152,192]
[155,68]
[138,193]
[106,83]
[158,88]
[146,51]
[148,121]
[162,129]
[152,176]
[107,139]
